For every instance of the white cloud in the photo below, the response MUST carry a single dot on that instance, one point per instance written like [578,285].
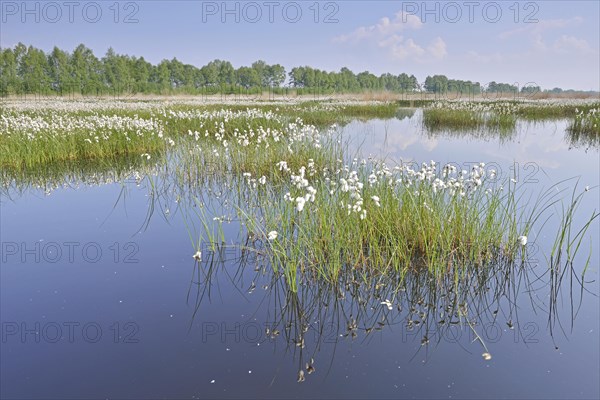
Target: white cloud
[568,44]
[534,32]
[541,26]
[387,35]
[476,57]
[401,48]
[437,48]
[384,27]
[547,49]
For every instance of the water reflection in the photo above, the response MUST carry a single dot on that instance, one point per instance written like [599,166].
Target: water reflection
[535,151]
[584,140]
[416,307]
[75,175]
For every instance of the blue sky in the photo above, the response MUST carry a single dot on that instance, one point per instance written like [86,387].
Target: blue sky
[550,43]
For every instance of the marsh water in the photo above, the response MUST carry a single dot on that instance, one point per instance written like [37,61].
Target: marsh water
[101,297]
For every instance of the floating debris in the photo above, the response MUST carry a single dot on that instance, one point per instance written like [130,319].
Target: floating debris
[309,366]
[352,324]
[388,304]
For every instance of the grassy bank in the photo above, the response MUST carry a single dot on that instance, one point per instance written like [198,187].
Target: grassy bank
[33,135]
[501,116]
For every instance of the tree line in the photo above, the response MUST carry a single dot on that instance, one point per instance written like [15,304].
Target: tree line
[30,70]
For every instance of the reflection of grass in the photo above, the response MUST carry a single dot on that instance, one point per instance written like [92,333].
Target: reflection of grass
[361,304]
[405,113]
[584,129]
[586,139]
[362,299]
[62,174]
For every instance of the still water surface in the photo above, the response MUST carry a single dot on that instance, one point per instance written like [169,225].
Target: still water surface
[99,299]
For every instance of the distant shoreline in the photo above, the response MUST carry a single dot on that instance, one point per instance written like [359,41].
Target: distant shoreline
[291,97]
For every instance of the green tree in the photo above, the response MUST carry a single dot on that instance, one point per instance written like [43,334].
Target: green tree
[9,77]
[276,75]
[141,73]
[436,84]
[248,77]
[60,70]
[33,69]
[162,77]
[86,70]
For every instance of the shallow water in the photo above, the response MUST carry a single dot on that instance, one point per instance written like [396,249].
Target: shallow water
[100,300]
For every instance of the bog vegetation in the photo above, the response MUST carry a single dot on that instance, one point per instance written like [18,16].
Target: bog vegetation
[315,208]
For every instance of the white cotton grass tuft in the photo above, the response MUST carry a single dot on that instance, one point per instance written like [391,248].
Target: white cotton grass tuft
[522,240]
[376,200]
[272,235]
[300,201]
[197,255]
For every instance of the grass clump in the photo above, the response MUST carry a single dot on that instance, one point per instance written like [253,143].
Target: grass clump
[29,141]
[374,219]
[368,220]
[469,116]
[501,116]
